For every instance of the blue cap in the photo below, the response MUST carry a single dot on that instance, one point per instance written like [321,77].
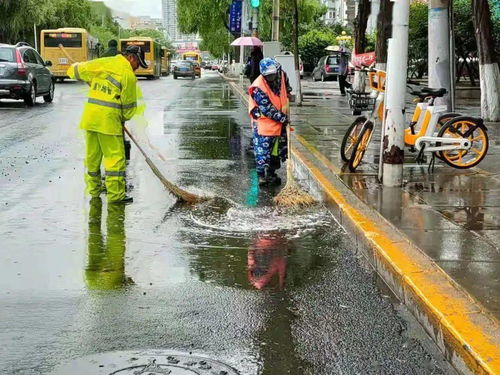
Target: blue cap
[268,66]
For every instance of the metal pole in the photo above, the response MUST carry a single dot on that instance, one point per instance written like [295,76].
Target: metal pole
[453,63]
[275,33]
[255,22]
[36,37]
[439,48]
[394,124]
[242,48]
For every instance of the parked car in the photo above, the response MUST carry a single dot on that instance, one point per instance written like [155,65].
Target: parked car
[184,69]
[173,63]
[24,75]
[327,68]
[215,67]
[197,70]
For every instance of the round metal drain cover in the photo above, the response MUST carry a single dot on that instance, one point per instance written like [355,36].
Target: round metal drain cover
[145,363]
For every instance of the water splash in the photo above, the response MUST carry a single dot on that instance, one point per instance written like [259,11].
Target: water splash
[224,216]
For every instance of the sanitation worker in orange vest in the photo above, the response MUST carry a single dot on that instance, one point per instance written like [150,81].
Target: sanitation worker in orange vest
[268,110]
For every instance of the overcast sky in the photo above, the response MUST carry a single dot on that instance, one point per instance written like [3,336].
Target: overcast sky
[137,7]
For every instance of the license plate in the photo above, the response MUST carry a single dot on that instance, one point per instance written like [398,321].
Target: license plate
[63,61]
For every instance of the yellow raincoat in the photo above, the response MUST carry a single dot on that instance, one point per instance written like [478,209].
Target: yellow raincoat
[112,100]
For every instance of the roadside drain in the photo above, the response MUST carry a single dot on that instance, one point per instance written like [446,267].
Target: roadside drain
[144,363]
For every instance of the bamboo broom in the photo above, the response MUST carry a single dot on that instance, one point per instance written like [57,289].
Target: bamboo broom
[175,190]
[292,195]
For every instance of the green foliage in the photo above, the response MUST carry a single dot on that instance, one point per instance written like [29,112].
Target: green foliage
[312,45]
[310,13]
[417,38]
[371,41]
[207,18]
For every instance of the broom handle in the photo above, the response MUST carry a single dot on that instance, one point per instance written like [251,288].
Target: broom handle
[289,170]
[135,141]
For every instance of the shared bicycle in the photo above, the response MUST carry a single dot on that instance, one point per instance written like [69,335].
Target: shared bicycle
[460,141]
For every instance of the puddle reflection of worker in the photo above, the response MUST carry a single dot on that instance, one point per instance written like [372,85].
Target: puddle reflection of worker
[267,261]
[106,264]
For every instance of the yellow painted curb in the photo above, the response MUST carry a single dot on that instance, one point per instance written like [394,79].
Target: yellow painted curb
[469,337]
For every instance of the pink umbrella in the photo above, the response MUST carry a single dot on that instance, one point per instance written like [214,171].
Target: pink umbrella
[247,41]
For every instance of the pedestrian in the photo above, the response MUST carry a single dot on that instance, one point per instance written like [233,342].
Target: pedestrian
[112,49]
[343,71]
[252,68]
[112,100]
[268,110]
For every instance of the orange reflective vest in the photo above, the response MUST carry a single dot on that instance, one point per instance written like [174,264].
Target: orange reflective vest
[265,125]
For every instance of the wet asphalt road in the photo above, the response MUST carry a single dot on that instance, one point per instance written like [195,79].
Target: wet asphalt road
[266,292]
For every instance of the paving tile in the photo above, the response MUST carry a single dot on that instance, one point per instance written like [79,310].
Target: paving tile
[453,244]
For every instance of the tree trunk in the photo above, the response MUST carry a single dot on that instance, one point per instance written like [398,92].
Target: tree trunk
[489,72]
[298,94]
[360,23]
[384,31]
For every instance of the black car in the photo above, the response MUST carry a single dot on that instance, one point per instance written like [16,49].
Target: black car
[184,69]
[24,75]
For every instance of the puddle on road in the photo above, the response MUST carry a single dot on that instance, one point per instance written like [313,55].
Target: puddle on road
[229,217]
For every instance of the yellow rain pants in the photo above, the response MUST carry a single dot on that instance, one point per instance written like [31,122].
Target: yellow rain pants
[110,149]
[106,255]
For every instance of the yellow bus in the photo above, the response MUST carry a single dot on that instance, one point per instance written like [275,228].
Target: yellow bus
[165,61]
[66,46]
[192,56]
[152,55]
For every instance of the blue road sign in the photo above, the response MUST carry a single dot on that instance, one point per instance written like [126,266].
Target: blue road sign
[235,16]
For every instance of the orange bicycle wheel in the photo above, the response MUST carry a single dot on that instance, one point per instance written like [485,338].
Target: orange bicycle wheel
[350,138]
[477,135]
[361,146]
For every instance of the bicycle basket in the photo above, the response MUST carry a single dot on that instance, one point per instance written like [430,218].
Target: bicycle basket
[360,101]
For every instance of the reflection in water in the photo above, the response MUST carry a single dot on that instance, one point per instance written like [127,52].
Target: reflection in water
[267,260]
[106,264]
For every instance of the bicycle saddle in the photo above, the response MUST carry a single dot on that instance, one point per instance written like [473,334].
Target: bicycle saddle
[421,95]
[435,93]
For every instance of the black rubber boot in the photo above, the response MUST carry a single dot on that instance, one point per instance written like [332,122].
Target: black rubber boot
[272,178]
[126,200]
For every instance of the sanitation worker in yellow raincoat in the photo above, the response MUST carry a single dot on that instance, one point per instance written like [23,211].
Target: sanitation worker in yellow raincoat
[112,100]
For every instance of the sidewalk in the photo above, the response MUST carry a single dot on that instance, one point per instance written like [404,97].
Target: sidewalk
[445,221]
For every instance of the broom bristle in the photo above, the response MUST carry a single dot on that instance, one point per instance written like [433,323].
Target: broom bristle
[293,196]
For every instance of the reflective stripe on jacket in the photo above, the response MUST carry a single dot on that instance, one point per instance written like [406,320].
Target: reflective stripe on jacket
[112,97]
[266,126]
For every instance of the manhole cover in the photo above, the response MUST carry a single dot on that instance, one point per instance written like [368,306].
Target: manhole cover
[145,363]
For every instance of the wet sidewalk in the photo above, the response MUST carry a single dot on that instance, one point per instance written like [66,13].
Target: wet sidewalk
[451,215]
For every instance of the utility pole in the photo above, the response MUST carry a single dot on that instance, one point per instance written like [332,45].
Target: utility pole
[394,119]
[36,37]
[439,48]
[298,95]
[275,33]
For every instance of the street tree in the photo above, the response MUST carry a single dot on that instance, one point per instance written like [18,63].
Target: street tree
[489,73]
[384,32]
[360,41]
[312,45]
[309,16]
[209,19]
[360,23]
[418,38]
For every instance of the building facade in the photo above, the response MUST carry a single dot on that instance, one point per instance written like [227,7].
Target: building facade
[169,13]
